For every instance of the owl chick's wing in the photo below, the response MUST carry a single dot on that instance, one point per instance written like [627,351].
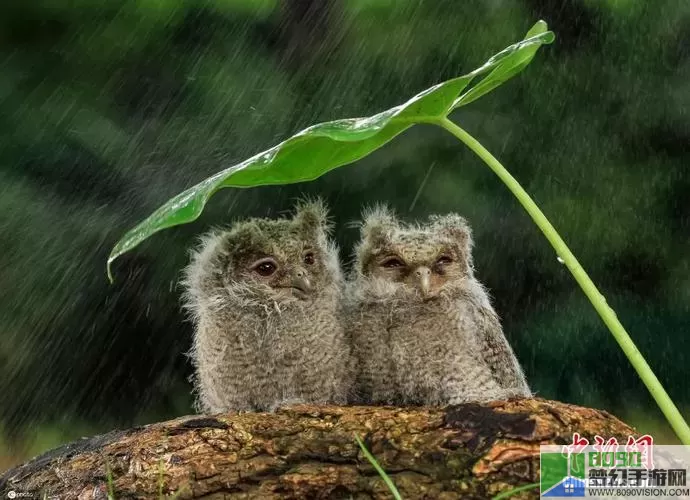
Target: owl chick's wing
[499,355]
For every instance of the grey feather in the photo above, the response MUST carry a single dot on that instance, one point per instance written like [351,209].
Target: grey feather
[423,328]
[264,341]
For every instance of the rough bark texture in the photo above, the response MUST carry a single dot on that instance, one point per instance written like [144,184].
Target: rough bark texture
[466,451]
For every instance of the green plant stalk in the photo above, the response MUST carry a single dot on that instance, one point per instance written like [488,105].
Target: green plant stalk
[386,479]
[643,369]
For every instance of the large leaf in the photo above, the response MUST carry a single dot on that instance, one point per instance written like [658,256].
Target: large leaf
[511,63]
[321,148]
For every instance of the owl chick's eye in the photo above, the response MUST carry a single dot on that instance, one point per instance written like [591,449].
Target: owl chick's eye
[265,268]
[309,258]
[444,260]
[392,262]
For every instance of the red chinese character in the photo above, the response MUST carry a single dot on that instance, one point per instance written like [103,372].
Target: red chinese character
[603,446]
[643,444]
[579,444]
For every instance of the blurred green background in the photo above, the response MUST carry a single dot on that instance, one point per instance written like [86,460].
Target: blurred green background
[110,107]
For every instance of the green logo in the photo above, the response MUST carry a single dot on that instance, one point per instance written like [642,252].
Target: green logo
[562,475]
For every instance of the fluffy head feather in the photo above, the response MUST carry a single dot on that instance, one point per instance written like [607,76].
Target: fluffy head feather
[425,261]
[265,262]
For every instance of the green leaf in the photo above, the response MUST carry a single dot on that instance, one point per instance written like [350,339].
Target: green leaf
[321,148]
[511,63]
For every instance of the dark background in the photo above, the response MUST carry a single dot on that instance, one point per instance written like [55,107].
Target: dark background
[110,107]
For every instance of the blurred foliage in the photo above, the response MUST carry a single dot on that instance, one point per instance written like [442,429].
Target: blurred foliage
[109,108]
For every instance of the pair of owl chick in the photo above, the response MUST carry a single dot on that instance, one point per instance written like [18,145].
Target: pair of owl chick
[277,323]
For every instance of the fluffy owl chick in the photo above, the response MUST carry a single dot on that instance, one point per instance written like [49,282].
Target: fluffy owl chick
[266,299]
[423,329]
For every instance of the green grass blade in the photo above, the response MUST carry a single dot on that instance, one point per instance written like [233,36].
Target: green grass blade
[607,314]
[389,482]
[515,491]
[109,482]
[321,148]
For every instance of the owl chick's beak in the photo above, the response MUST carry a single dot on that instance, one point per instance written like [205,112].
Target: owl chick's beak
[300,283]
[423,276]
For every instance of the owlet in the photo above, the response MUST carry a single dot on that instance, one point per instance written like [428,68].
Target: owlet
[266,302]
[423,329]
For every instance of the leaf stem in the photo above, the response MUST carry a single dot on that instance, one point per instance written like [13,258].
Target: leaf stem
[595,297]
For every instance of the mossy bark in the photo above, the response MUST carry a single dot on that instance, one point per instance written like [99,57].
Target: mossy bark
[304,451]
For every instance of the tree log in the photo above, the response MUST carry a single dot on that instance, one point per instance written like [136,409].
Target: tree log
[305,451]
